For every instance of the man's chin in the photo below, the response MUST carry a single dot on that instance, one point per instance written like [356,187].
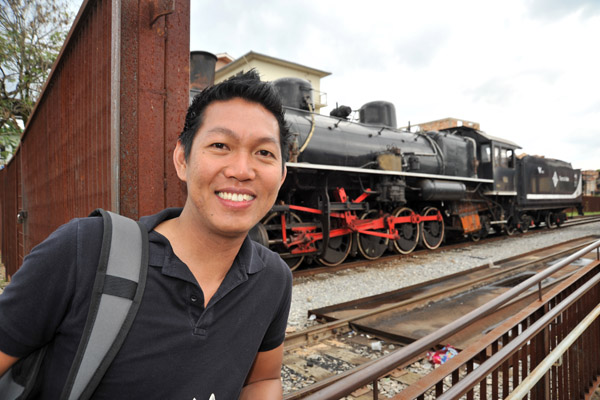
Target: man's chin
[234,232]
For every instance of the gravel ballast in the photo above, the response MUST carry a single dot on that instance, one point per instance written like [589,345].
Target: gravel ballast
[329,289]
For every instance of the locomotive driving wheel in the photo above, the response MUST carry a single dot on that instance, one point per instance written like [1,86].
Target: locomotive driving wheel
[551,221]
[432,232]
[337,250]
[475,236]
[526,222]
[275,236]
[409,233]
[510,227]
[372,247]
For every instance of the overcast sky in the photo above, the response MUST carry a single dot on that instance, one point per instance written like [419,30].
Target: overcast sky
[527,71]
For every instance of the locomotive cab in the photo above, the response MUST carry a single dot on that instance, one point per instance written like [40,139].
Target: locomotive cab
[497,161]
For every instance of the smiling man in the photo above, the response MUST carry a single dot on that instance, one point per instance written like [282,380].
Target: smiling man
[212,320]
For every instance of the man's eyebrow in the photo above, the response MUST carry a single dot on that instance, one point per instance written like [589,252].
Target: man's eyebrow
[219,129]
[233,134]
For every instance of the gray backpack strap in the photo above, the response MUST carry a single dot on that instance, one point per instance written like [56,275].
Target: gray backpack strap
[116,297]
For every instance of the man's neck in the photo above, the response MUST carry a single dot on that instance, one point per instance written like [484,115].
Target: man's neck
[209,257]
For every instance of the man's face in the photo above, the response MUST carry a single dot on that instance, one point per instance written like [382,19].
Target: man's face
[233,172]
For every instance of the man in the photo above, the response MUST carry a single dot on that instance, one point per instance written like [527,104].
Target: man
[212,320]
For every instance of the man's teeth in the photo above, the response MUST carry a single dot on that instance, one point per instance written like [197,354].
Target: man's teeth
[235,196]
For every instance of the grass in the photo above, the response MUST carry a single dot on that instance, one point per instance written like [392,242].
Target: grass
[572,214]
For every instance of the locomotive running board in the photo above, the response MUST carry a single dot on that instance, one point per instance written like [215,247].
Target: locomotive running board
[322,167]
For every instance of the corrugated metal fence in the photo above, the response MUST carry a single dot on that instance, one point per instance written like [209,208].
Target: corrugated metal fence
[102,132]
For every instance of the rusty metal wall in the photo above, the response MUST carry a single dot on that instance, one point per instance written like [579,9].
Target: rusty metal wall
[103,130]
[65,150]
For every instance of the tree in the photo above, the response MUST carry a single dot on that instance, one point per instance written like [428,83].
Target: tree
[31,35]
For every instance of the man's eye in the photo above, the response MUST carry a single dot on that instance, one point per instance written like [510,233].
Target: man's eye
[218,145]
[266,153]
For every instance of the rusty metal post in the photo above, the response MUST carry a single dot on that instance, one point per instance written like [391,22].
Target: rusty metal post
[154,100]
[545,349]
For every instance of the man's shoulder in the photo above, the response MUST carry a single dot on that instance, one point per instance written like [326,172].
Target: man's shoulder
[151,221]
[74,230]
[271,261]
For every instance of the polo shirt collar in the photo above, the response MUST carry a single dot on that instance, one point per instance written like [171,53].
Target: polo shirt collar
[246,262]
[248,257]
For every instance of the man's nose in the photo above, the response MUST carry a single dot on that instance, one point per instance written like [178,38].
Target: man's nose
[240,167]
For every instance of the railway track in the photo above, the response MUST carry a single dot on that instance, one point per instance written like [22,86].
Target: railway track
[307,271]
[355,333]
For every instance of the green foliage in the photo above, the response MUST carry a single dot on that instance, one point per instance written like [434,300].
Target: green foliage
[9,140]
[31,35]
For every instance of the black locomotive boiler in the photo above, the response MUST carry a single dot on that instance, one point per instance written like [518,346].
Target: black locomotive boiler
[365,187]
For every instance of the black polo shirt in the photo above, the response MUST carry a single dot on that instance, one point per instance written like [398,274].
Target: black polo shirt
[176,349]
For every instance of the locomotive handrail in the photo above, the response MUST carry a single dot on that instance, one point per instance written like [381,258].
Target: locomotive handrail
[312,128]
[325,167]
[391,361]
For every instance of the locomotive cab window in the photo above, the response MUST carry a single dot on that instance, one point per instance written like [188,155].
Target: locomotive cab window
[504,157]
[486,153]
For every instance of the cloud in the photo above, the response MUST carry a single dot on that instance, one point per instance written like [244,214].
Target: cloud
[557,9]
[420,49]
[526,71]
[495,91]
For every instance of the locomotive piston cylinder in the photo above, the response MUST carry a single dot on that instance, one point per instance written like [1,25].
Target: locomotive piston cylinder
[441,190]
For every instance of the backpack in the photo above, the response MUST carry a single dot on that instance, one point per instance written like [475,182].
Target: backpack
[116,296]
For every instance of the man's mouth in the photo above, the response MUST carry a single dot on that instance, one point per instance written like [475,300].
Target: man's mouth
[235,196]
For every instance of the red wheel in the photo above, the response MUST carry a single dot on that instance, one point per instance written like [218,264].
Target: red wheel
[432,232]
[274,232]
[372,247]
[409,233]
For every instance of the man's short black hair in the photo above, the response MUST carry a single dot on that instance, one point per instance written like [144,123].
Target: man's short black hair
[247,86]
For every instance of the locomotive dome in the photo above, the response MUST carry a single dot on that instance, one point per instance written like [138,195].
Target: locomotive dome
[378,113]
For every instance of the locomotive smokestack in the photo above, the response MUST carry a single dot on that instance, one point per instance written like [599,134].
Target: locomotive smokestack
[202,71]
[295,92]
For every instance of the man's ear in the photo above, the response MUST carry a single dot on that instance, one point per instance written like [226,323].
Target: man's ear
[284,175]
[179,161]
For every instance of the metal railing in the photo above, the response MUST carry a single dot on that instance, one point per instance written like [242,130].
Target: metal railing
[499,362]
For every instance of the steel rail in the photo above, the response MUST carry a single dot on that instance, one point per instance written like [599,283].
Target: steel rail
[301,393]
[316,332]
[543,367]
[389,362]
[493,340]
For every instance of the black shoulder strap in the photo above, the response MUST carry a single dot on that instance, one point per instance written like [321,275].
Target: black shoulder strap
[117,293]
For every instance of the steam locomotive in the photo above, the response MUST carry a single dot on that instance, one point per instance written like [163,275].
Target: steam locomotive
[365,187]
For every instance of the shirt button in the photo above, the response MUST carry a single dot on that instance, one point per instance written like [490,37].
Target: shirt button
[193,298]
